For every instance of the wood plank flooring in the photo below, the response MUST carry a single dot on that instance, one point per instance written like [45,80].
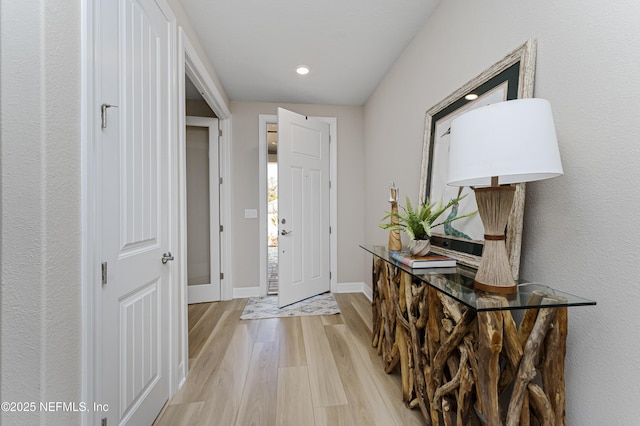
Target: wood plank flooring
[315,370]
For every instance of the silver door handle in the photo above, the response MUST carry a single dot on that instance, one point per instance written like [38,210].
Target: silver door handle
[284,232]
[166,257]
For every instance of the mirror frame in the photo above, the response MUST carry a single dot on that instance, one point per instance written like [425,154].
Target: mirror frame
[523,58]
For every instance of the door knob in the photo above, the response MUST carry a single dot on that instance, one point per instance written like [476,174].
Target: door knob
[166,257]
[284,232]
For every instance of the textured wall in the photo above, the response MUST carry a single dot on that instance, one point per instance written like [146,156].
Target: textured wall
[580,231]
[246,186]
[40,161]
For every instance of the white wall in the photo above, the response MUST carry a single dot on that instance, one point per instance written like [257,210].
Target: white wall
[246,186]
[40,243]
[581,229]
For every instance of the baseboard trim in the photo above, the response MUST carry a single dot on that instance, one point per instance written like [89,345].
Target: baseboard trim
[244,292]
[366,290]
[355,287]
[183,378]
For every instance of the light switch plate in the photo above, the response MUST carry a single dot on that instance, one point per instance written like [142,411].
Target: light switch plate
[250,213]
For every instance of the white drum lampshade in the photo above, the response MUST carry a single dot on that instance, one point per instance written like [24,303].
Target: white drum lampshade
[501,144]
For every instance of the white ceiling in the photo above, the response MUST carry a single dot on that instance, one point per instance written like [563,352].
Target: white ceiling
[256,45]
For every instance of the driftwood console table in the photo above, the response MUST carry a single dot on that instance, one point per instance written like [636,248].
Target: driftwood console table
[462,358]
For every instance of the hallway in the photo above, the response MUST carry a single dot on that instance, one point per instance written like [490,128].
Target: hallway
[314,370]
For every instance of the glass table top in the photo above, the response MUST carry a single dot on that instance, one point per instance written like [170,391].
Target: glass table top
[457,282]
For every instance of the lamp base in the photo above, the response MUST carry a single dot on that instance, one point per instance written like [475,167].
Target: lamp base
[494,273]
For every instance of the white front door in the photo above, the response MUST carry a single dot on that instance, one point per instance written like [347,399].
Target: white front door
[303,207]
[134,175]
[203,210]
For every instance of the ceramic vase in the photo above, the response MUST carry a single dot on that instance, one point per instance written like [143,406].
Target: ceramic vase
[420,247]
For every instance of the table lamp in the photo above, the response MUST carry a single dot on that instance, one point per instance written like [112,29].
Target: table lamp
[491,148]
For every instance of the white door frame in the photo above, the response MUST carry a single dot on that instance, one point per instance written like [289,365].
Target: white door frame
[189,64]
[202,292]
[263,120]
[90,235]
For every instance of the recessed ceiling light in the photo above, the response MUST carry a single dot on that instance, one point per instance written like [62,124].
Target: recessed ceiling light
[302,70]
[471,97]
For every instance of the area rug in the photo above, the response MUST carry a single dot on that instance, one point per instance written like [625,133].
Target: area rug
[267,307]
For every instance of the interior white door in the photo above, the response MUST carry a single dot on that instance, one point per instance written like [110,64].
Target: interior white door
[135,76]
[303,207]
[203,210]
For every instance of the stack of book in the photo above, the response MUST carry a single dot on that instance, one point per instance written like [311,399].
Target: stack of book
[431,260]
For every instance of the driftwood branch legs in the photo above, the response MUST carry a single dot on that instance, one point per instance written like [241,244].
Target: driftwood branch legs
[489,348]
[455,363]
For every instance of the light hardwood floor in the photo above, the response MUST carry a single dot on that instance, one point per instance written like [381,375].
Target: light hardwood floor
[314,370]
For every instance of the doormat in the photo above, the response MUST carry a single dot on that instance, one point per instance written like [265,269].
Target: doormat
[267,307]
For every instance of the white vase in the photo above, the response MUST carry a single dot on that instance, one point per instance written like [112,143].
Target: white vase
[420,247]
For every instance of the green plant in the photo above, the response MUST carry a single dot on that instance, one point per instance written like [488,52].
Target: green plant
[417,223]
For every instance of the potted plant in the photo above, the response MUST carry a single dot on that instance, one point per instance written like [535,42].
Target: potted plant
[417,223]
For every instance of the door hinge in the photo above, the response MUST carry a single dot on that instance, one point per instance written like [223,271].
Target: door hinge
[329,274]
[329,229]
[104,273]
[103,111]
[221,228]
[220,132]
[222,275]
[220,181]
[103,422]
[329,184]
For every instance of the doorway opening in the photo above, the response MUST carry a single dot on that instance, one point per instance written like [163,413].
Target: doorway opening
[202,198]
[270,122]
[198,207]
[272,208]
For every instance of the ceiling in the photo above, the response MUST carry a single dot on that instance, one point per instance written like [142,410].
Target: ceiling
[349,45]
